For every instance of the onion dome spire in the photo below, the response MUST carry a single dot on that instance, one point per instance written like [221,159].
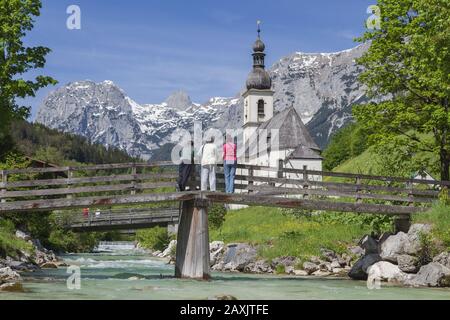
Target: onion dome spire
[258,78]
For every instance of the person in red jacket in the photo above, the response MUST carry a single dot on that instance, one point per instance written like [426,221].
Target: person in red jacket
[229,163]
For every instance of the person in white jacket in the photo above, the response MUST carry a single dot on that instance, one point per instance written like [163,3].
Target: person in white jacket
[209,156]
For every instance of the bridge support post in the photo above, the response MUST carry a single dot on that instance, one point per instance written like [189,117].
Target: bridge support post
[402,223]
[192,257]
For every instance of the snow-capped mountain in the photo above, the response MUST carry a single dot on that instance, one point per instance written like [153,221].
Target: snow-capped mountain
[103,113]
[321,86]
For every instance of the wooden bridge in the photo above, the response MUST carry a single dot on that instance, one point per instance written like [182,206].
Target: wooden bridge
[142,184]
[122,219]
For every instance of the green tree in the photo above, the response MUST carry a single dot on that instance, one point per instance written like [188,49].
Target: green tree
[347,143]
[407,66]
[16,19]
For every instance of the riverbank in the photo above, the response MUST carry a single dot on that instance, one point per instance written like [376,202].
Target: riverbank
[272,242]
[27,255]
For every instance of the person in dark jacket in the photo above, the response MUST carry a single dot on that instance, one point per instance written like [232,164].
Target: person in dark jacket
[186,166]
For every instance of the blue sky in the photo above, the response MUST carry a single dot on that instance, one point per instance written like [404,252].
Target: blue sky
[152,48]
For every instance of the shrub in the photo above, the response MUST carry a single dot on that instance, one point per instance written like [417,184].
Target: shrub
[216,215]
[444,197]
[439,217]
[156,238]
[377,223]
[427,250]
[280,269]
[9,244]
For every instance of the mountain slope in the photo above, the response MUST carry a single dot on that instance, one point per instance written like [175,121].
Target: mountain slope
[103,113]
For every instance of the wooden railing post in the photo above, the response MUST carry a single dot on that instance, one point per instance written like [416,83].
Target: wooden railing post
[305,181]
[280,168]
[250,180]
[133,182]
[69,182]
[3,188]
[358,190]
[409,186]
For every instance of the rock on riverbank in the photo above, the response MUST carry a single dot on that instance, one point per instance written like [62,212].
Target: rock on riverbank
[10,280]
[402,259]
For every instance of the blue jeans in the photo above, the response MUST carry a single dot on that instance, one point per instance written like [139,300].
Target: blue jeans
[229,172]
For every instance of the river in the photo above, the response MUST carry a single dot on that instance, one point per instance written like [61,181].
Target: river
[126,273]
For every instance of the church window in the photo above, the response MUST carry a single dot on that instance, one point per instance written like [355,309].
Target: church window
[261,107]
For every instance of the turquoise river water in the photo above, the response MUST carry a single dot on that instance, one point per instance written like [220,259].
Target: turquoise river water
[130,275]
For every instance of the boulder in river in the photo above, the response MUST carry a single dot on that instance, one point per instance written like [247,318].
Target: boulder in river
[170,249]
[369,244]
[359,269]
[236,257]
[320,273]
[431,275]
[404,243]
[49,265]
[11,287]
[443,258]
[386,271]
[259,266]
[300,272]
[407,263]
[9,275]
[287,261]
[328,255]
[310,267]
[216,249]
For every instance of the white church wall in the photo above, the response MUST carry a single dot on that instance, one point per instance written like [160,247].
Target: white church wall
[251,99]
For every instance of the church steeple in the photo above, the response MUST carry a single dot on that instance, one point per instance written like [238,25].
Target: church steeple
[258,50]
[258,99]
[258,78]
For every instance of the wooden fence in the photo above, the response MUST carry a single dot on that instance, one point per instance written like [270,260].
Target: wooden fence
[35,189]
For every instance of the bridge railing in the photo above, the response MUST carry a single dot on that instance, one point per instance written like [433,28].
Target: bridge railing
[128,183]
[132,214]
[313,183]
[112,178]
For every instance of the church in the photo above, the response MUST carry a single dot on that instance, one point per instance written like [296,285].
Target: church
[295,145]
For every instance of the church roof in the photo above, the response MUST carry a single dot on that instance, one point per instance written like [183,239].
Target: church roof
[304,153]
[259,79]
[292,132]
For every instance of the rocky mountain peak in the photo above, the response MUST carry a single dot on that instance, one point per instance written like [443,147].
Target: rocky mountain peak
[179,100]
